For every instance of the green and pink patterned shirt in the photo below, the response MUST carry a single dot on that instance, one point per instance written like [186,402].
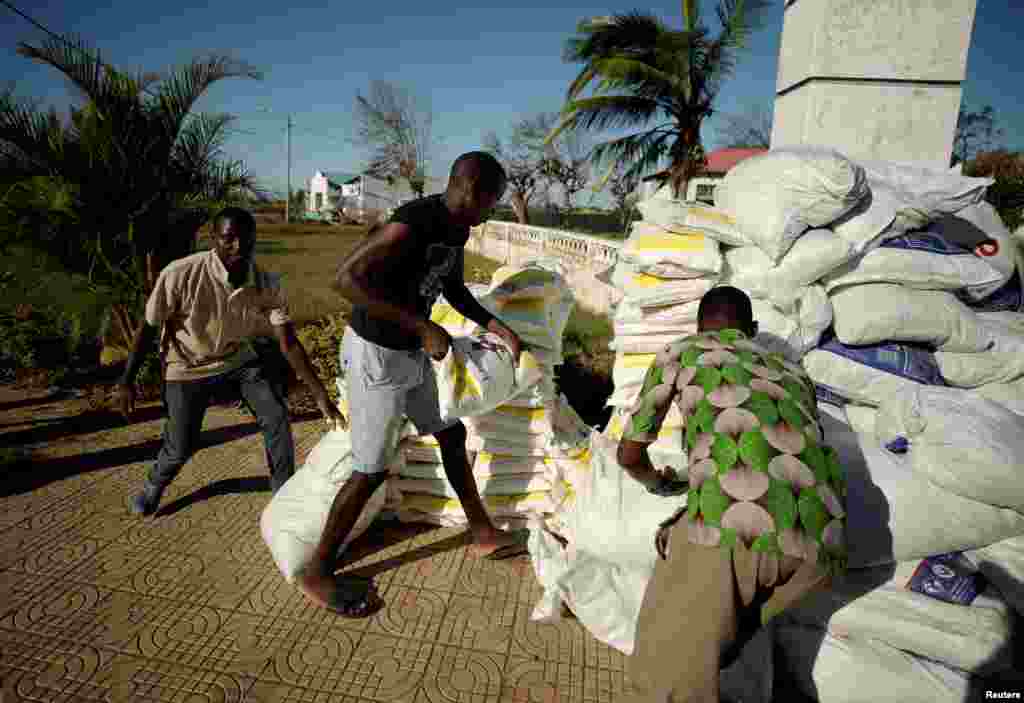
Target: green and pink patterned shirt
[759,470]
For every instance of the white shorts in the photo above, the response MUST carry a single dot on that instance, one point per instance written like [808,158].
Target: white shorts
[384,386]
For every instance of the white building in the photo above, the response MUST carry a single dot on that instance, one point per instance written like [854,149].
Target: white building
[358,196]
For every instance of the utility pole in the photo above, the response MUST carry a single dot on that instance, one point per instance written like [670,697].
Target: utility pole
[288,203]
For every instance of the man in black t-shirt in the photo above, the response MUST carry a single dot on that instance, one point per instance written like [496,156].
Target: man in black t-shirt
[393,278]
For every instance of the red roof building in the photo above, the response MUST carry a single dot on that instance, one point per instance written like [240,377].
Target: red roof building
[702,186]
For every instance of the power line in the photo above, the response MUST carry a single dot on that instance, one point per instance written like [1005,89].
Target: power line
[34,22]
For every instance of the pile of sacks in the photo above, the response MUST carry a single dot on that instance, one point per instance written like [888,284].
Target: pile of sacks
[524,438]
[871,276]
[519,449]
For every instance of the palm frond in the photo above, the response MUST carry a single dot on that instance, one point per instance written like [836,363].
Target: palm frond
[739,19]
[81,64]
[179,91]
[640,78]
[638,153]
[608,112]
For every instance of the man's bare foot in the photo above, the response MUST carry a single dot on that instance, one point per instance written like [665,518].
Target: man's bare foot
[348,596]
[498,544]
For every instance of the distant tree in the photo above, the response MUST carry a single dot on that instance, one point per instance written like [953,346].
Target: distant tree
[397,128]
[976,132]
[622,187]
[522,161]
[564,160]
[642,70]
[298,203]
[1007,193]
[751,129]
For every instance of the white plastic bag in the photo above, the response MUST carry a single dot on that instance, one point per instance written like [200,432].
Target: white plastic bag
[980,368]
[814,254]
[847,670]
[897,514]
[921,260]
[777,196]
[479,373]
[646,291]
[1009,395]
[962,443]
[1000,253]
[293,521]
[932,192]
[870,374]
[796,333]
[876,604]
[663,210]
[882,312]
[678,254]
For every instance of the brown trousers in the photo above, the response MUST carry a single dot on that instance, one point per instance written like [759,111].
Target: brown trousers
[691,615]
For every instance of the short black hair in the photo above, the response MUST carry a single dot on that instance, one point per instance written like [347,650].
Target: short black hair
[481,170]
[239,216]
[728,302]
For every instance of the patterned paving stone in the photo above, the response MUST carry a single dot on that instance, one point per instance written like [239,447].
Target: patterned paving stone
[68,611]
[426,566]
[532,681]
[459,675]
[561,641]
[128,679]
[43,670]
[387,669]
[410,613]
[479,624]
[311,656]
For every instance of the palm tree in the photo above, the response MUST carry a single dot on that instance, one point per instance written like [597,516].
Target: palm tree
[642,69]
[123,186]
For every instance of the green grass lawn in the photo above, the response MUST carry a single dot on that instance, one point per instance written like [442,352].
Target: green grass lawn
[308,255]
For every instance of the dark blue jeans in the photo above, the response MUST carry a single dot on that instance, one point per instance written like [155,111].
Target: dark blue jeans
[186,403]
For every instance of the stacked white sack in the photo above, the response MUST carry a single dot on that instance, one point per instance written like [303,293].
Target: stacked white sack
[670,260]
[516,449]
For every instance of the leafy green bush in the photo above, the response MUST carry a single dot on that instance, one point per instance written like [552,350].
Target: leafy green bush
[49,319]
[322,342]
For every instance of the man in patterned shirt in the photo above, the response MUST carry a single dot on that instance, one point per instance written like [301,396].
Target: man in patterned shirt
[763,521]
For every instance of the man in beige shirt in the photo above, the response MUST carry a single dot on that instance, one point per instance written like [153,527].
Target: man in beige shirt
[205,309]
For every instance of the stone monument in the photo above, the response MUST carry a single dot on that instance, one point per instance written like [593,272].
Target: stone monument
[874,79]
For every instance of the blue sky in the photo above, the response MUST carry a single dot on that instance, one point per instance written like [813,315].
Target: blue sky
[481,69]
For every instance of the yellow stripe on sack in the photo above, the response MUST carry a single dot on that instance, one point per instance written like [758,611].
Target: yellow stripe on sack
[635,361]
[643,280]
[463,382]
[716,216]
[535,305]
[692,241]
[447,316]
[529,413]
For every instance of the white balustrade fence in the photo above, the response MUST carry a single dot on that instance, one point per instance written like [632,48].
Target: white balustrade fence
[513,243]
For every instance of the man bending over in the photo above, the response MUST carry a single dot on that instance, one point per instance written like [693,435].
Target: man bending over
[393,278]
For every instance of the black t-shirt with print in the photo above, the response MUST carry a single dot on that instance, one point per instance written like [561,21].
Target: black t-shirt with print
[417,278]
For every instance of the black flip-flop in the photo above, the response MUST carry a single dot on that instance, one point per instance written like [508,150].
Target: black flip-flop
[517,548]
[355,598]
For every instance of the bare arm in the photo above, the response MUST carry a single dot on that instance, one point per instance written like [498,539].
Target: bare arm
[459,297]
[373,261]
[142,344]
